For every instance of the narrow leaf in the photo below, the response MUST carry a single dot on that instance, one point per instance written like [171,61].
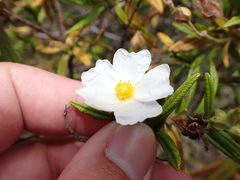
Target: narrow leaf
[178,71]
[214,76]
[82,56]
[130,10]
[178,95]
[187,43]
[169,106]
[195,68]
[158,4]
[169,148]
[200,107]
[85,109]
[166,40]
[225,54]
[48,49]
[224,143]
[235,20]
[87,19]
[121,14]
[185,29]
[208,97]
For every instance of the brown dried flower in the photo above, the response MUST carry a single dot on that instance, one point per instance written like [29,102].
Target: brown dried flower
[194,127]
[210,9]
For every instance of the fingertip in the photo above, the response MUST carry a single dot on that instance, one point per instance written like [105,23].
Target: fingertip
[162,171]
[83,124]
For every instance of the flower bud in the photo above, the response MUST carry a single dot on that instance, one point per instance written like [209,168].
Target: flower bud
[233,116]
[234,132]
[182,14]
[216,123]
[219,121]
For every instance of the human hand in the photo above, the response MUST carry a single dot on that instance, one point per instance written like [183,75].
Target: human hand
[33,100]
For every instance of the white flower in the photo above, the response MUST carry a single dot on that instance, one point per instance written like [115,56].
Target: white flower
[125,88]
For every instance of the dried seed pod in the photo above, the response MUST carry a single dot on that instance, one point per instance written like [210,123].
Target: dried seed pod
[210,9]
[182,14]
[194,128]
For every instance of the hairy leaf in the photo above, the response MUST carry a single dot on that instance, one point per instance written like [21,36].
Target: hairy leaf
[195,68]
[85,109]
[169,148]
[224,143]
[169,106]
[214,76]
[209,96]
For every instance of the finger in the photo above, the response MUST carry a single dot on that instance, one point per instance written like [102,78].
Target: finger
[44,158]
[34,100]
[116,152]
[163,171]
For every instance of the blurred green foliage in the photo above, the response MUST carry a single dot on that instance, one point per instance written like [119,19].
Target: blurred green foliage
[68,36]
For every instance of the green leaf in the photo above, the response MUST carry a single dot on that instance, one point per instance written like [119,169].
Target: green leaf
[235,20]
[87,19]
[7,51]
[177,71]
[224,143]
[214,76]
[85,109]
[121,14]
[169,148]
[178,95]
[195,68]
[208,96]
[200,107]
[185,29]
[169,106]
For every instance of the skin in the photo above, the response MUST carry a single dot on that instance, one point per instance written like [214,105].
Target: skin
[34,100]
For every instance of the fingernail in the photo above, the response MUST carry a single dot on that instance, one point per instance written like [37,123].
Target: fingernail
[133,149]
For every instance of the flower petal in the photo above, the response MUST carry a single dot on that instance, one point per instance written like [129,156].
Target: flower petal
[154,85]
[99,98]
[130,112]
[131,66]
[103,75]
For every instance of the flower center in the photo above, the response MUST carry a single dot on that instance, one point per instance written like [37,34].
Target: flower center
[124,90]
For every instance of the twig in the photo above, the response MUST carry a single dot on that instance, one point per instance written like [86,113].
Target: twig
[207,48]
[77,136]
[70,66]
[129,22]
[59,18]
[205,34]
[15,17]
[27,138]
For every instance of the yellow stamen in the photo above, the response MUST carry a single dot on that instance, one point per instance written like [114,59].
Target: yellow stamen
[124,90]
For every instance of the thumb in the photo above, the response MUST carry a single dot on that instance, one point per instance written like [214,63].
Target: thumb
[115,152]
